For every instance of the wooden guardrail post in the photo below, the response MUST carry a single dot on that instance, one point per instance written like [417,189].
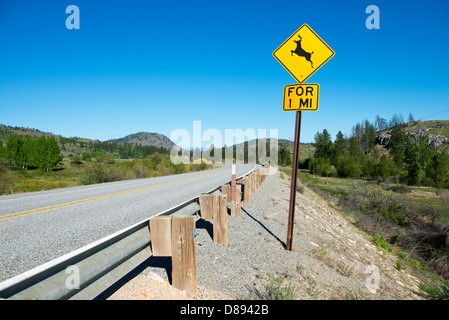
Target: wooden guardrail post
[184,254]
[244,182]
[160,230]
[226,189]
[252,185]
[206,202]
[235,204]
[257,179]
[238,210]
[220,229]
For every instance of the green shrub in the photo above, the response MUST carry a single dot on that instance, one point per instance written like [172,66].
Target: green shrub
[380,241]
[87,156]
[399,266]
[436,291]
[76,160]
[324,168]
[393,212]
[400,189]
[277,290]
[31,186]
[100,173]
[6,179]
[348,166]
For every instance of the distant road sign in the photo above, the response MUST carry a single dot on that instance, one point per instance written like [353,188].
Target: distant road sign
[303,53]
[301,97]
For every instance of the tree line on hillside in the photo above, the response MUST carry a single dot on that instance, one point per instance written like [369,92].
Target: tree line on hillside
[42,153]
[365,132]
[397,119]
[246,151]
[123,150]
[410,158]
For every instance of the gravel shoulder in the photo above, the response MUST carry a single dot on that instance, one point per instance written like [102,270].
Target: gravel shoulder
[331,259]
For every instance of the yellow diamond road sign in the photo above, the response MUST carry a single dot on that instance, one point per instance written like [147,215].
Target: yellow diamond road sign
[303,53]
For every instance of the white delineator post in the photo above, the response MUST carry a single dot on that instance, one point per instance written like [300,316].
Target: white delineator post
[233,191]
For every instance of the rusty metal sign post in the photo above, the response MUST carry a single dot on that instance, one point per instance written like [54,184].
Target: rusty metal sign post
[298,55]
[291,209]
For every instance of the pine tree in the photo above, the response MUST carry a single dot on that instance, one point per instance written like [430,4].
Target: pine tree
[418,162]
[339,147]
[323,145]
[285,156]
[398,145]
[377,123]
[380,123]
[384,167]
[212,150]
[440,163]
[354,148]
[369,137]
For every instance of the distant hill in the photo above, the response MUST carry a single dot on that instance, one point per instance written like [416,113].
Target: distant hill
[7,131]
[142,138]
[146,139]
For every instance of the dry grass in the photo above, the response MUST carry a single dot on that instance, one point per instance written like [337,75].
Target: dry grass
[412,220]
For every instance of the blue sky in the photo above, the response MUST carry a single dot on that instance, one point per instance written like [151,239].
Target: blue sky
[158,66]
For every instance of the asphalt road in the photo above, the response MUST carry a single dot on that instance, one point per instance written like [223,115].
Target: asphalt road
[38,227]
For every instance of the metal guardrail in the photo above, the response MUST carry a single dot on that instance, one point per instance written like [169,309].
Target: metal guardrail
[99,265]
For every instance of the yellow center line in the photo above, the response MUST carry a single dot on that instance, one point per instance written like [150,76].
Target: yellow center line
[93,199]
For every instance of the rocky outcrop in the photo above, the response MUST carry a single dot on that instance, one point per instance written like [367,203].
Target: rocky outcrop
[146,139]
[433,140]
[384,137]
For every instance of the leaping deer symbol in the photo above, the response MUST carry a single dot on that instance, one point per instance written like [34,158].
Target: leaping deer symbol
[301,52]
